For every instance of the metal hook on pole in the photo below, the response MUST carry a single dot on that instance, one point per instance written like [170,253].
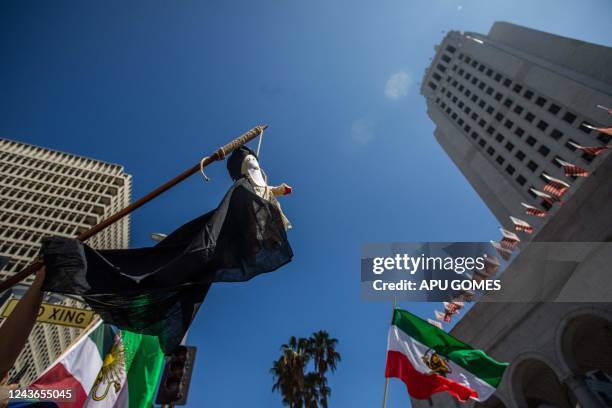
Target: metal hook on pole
[202,165]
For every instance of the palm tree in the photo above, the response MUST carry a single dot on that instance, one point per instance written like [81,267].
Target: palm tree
[322,347]
[324,392]
[288,371]
[298,388]
[311,390]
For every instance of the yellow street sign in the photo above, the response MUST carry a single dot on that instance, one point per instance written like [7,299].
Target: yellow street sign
[56,314]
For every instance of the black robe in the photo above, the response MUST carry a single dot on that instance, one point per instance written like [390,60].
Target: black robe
[158,290]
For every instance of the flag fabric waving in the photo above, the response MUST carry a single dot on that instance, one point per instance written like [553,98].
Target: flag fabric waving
[531,210]
[520,225]
[555,186]
[443,317]
[509,239]
[107,368]
[429,360]
[571,170]
[550,199]
[158,290]
[590,150]
[453,307]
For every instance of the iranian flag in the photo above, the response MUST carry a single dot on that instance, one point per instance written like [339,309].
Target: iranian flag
[429,360]
[107,367]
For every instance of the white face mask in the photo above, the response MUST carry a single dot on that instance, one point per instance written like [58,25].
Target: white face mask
[250,167]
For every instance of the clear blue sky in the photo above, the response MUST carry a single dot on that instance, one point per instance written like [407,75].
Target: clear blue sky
[155,85]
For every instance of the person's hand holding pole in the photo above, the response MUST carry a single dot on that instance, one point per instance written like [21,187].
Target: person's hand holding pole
[5,389]
[17,326]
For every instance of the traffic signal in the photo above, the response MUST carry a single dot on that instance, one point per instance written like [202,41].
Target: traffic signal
[176,377]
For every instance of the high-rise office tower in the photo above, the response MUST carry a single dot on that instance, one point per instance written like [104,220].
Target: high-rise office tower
[507,105]
[44,192]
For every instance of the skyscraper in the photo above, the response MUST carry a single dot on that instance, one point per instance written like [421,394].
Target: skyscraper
[507,105]
[45,192]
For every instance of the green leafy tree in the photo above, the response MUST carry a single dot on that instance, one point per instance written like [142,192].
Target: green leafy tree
[300,373]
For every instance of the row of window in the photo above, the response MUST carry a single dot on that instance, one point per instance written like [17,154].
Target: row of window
[19,250]
[538,100]
[490,129]
[555,134]
[39,224]
[508,146]
[529,95]
[17,207]
[13,187]
[32,178]
[75,207]
[53,167]
[36,151]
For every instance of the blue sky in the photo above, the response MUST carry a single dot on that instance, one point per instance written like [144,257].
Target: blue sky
[155,85]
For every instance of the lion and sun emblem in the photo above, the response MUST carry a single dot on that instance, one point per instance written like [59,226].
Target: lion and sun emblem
[111,373]
[436,363]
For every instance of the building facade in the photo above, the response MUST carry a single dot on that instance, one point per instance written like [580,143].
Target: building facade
[506,105]
[44,192]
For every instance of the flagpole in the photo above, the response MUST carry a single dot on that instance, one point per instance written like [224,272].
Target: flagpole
[217,155]
[604,108]
[384,404]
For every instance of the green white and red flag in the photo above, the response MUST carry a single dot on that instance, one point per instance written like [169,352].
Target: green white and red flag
[429,360]
[107,367]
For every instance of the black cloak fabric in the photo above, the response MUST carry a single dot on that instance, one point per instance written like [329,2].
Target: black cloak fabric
[158,290]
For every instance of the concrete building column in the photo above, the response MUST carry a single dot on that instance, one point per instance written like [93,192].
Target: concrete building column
[582,392]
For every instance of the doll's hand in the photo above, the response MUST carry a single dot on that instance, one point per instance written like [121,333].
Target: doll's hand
[281,190]
[287,189]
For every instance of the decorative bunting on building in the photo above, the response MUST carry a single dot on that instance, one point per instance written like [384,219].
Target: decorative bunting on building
[509,240]
[571,170]
[443,317]
[435,323]
[591,150]
[503,252]
[550,199]
[520,225]
[531,210]
[555,190]
[453,307]
[555,186]
[607,131]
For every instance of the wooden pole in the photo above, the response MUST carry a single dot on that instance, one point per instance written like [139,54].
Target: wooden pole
[217,155]
[384,404]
